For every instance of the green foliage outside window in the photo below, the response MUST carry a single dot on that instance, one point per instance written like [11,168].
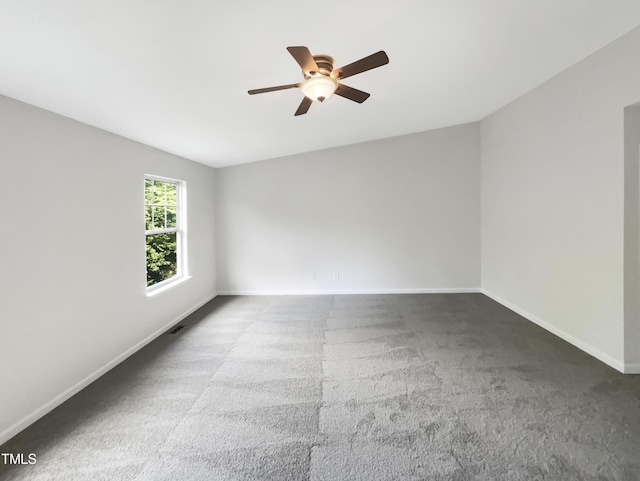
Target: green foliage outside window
[162,262]
[161,209]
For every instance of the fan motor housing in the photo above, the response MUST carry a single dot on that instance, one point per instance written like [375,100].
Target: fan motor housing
[325,65]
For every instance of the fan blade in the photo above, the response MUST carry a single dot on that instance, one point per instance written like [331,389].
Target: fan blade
[273,89]
[304,106]
[375,60]
[351,93]
[304,58]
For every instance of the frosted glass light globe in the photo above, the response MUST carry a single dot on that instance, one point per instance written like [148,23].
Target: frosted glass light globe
[319,88]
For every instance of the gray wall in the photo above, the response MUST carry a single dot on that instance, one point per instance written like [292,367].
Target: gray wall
[553,201]
[72,290]
[400,214]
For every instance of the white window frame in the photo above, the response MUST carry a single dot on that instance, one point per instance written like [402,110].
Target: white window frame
[180,230]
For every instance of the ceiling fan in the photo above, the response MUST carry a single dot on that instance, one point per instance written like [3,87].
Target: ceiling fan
[321,79]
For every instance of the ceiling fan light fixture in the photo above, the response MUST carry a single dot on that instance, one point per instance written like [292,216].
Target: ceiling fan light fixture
[321,78]
[319,87]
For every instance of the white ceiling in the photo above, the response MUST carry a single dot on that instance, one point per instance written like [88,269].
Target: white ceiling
[175,74]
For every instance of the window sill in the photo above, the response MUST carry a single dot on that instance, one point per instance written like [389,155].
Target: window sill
[162,287]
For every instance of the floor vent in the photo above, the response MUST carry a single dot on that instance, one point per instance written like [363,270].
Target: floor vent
[175,329]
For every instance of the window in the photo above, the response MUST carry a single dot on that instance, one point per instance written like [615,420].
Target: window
[165,230]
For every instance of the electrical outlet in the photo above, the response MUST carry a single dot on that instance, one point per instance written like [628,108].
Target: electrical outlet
[336,275]
[314,276]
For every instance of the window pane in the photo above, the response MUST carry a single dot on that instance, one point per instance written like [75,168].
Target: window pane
[157,193]
[154,192]
[172,195]
[160,192]
[148,191]
[158,217]
[161,257]
[171,217]
[147,216]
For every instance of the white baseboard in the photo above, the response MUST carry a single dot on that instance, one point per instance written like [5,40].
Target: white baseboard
[588,348]
[322,292]
[55,402]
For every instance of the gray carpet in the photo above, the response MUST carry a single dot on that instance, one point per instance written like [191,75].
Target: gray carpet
[371,388]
